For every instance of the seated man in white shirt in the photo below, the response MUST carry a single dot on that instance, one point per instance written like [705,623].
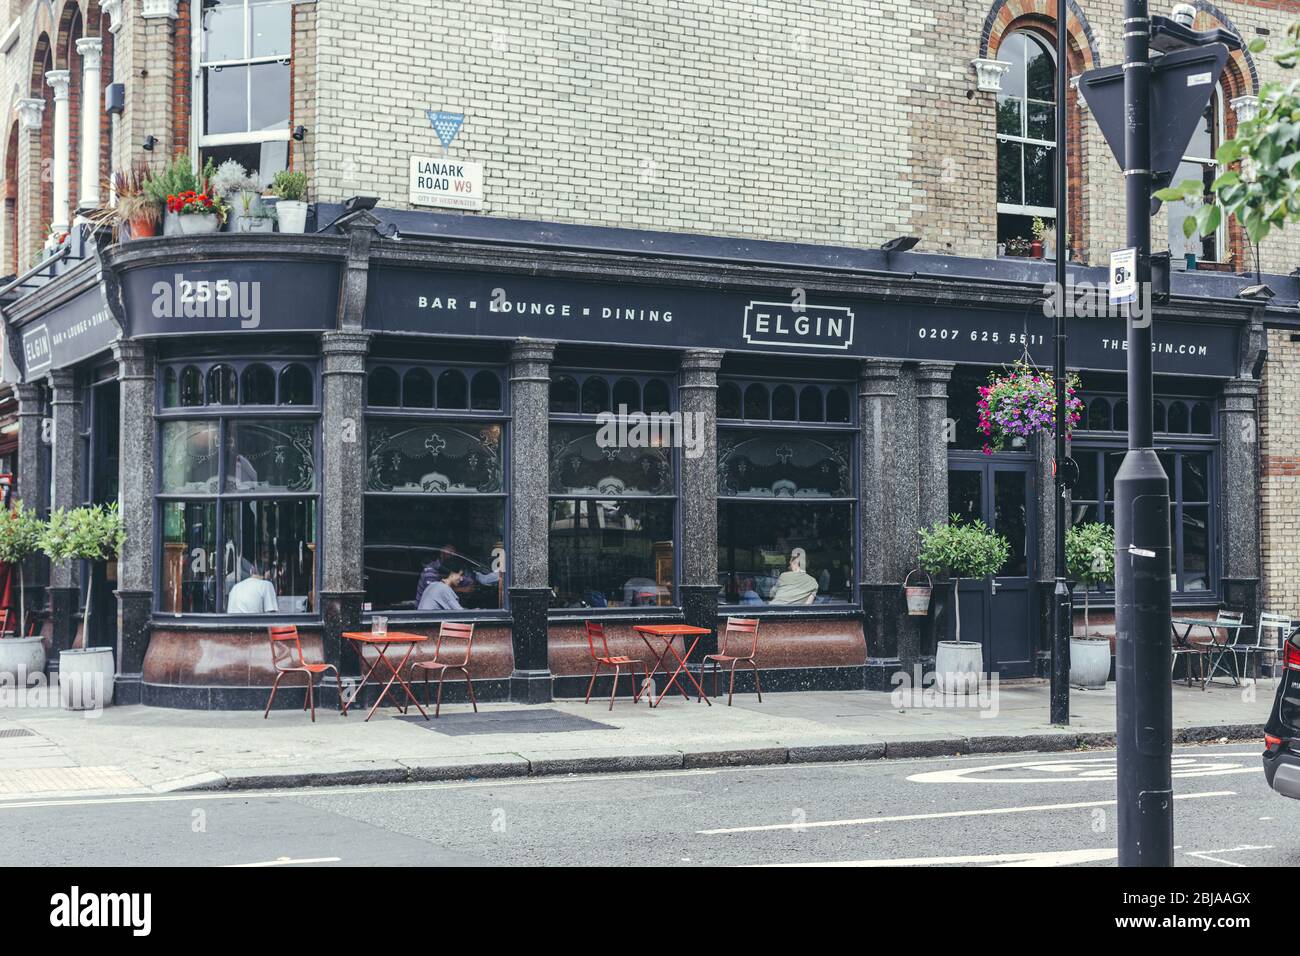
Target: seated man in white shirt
[440,595]
[253,595]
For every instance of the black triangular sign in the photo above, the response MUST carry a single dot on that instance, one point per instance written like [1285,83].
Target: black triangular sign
[1181,86]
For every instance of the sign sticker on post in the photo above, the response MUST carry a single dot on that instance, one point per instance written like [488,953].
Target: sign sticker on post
[1123,276]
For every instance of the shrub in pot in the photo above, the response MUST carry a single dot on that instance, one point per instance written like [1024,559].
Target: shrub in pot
[1090,559]
[20,535]
[137,213]
[290,189]
[960,550]
[176,179]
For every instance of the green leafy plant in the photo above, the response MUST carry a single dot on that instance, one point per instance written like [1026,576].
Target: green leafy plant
[177,177]
[962,550]
[91,533]
[1090,558]
[20,538]
[1263,192]
[290,186]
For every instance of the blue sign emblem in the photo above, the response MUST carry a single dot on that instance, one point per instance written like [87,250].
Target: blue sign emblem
[446,125]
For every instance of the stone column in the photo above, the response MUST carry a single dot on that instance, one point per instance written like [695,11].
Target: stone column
[31,113]
[135,566]
[878,492]
[59,80]
[91,50]
[66,491]
[934,429]
[343,476]
[1239,495]
[528,560]
[697,394]
[33,480]
[1043,583]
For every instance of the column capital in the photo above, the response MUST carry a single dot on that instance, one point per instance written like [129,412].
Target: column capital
[30,113]
[345,342]
[703,360]
[59,80]
[30,398]
[532,350]
[113,9]
[153,9]
[91,51]
[1241,388]
[61,380]
[134,359]
[932,379]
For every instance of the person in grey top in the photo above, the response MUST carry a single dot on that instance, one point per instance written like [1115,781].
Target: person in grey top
[440,596]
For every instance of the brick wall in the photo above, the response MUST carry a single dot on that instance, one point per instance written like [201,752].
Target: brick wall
[1280,472]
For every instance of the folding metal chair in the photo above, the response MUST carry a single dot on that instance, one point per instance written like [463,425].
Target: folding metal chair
[286,655]
[457,634]
[601,657]
[739,646]
[1270,638]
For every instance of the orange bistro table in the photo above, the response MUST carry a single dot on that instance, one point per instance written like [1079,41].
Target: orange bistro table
[381,643]
[666,634]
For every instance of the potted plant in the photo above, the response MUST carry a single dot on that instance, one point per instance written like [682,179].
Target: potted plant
[249,213]
[1016,246]
[1090,559]
[1042,238]
[172,180]
[138,214]
[290,189]
[20,535]
[960,550]
[1022,402]
[199,212]
[92,533]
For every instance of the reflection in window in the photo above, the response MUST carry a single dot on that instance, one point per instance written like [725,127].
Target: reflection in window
[434,457]
[171,392]
[581,465]
[191,387]
[729,400]
[1026,135]
[627,394]
[190,456]
[611,553]
[564,394]
[453,390]
[411,543]
[656,396]
[756,402]
[296,386]
[784,405]
[1198,165]
[222,385]
[1099,415]
[1201,421]
[810,405]
[1160,423]
[383,388]
[837,406]
[268,561]
[757,539]
[1179,421]
[271,455]
[781,464]
[485,392]
[595,396]
[417,388]
[189,557]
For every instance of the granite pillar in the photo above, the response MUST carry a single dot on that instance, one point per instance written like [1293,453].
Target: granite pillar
[135,568]
[33,481]
[936,432]
[879,487]
[697,394]
[528,559]
[343,476]
[1043,554]
[66,492]
[1239,495]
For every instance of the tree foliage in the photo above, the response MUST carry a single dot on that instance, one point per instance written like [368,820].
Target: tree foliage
[969,550]
[1090,553]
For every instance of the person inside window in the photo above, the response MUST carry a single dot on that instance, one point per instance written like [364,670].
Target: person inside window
[254,594]
[796,586]
[440,595]
[435,570]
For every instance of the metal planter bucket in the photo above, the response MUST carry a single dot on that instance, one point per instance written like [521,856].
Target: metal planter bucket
[918,598]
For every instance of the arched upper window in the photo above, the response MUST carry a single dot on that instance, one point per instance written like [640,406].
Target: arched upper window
[1026,135]
[1198,164]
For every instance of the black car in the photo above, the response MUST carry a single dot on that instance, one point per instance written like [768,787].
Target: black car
[1282,732]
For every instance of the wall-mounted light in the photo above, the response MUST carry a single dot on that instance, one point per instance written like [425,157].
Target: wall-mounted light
[149,143]
[300,133]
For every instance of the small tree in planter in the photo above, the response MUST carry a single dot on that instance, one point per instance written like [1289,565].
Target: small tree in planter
[1090,558]
[959,550]
[20,538]
[93,533]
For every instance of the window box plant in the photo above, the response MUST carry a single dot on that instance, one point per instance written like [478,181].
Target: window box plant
[1090,559]
[1021,402]
[20,534]
[290,189]
[137,213]
[961,550]
[176,179]
[199,212]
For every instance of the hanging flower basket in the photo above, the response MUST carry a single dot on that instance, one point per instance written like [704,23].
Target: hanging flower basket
[1021,402]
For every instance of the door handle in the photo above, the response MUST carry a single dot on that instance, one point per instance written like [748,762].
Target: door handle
[993,587]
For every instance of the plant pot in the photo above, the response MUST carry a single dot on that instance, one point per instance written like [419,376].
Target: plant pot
[21,657]
[199,224]
[142,228]
[253,224]
[1049,249]
[171,223]
[292,215]
[86,678]
[958,667]
[918,596]
[1036,249]
[1089,662]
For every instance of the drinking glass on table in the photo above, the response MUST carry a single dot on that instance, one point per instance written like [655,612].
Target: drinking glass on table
[379,624]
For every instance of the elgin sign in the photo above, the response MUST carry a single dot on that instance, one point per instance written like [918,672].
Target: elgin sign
[450,183]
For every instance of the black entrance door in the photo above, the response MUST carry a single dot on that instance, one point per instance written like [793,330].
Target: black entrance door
[997,612]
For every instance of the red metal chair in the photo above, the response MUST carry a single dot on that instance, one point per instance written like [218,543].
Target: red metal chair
[601,657]
[286,655]
[739,646]
[449,631]
[4,621]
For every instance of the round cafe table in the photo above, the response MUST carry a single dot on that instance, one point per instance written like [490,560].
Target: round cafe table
[381,643]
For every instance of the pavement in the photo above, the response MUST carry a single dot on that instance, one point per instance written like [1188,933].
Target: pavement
[134,750]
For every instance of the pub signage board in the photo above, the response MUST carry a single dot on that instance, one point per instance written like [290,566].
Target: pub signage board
[594,312]
[65,335]
[232,296]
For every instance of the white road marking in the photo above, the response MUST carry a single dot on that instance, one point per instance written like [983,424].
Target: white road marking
[1083,769]
[1046,858]
[1212,855]
[948,814]
[286,861]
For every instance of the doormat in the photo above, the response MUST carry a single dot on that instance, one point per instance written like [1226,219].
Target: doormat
[505,722]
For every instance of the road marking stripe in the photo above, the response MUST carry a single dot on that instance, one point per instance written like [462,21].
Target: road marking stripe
[285,861]
[1211,855]
[1046,858]
[949,814]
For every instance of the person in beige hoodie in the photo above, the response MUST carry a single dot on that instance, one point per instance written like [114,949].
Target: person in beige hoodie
[795,586]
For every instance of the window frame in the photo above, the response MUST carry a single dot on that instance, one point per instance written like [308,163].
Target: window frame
[1020,209]
[415,415]
[224,415]
[798,426]
[1218,133]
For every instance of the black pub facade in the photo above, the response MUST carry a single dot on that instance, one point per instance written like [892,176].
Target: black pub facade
[348,414]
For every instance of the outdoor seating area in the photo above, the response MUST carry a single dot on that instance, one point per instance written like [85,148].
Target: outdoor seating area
[1227,647]
[454,646]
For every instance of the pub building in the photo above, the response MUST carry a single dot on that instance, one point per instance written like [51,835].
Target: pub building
[353,412]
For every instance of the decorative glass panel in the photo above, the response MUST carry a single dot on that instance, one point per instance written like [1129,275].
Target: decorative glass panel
[190,456]
[756,541]
[189,557]
[783,465]
[581,466]
[1179,423]
[611,553]
[222,385]
[434,457]
[1099,415]
[1202,423]
[271,455]
[171,391]
[268,563]
[413,542]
